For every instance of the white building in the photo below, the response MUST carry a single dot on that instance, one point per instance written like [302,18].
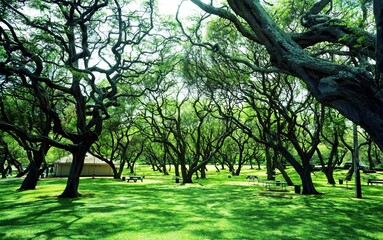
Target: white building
[92,167]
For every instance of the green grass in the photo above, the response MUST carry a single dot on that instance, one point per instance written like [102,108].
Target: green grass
[215,208]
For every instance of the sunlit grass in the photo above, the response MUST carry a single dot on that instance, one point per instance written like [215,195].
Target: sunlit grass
[215,208]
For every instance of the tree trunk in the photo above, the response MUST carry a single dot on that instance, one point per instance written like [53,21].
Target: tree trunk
[371,164]
[258,164]
[131,167]
[222,165]
[163,166]
[238,171]
[203,172]
[251,163]
[121,169]
[177,172]
[349,173]
[71,189]
[30,181]
[329,172]
[304,171]
[116,174]
[269,164]
[284,174]
[187,175]
[188,178]
[307,182]
[216,167]
[3,173]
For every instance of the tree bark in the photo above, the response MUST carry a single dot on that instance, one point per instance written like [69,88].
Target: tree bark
[38,158]
[71,189]
[329,172]
[203,171]
[304,171]
[269,164]
[307,182]
[30,181]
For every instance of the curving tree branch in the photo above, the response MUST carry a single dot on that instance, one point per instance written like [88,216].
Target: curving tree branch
[351,90]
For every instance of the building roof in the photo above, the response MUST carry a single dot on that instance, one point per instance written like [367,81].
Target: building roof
[89,159]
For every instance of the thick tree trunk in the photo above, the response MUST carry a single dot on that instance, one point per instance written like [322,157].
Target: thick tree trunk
[304,171]
[30,181]
[188,178]
[307,182]
[71,189]
[186,175]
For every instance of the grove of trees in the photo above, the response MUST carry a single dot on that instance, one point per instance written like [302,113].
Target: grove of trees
[271,83]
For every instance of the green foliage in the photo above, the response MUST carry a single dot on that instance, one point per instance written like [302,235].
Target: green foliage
[287,13]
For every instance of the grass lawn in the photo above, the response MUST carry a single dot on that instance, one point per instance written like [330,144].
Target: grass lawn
[215,208]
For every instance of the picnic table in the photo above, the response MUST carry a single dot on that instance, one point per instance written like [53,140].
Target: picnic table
[252,178]
[269,184]
[135,178]
[370,181]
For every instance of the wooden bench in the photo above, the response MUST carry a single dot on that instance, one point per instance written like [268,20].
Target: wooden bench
[268,184]
[135,178]
[370,181]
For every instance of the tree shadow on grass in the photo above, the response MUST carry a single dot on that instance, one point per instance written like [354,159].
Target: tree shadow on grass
[111,209]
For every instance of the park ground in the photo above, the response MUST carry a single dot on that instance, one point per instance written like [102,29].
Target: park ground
[219,207]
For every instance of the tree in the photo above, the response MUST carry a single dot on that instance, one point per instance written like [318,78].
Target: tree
[333,131]
[244,151]
[270,108]
[372,153]
[353,91]
[156,156]
[120,140]
[187,128]
[61,51]
[7,157]
[18,107]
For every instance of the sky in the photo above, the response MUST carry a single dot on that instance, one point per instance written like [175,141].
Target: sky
[170,7]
